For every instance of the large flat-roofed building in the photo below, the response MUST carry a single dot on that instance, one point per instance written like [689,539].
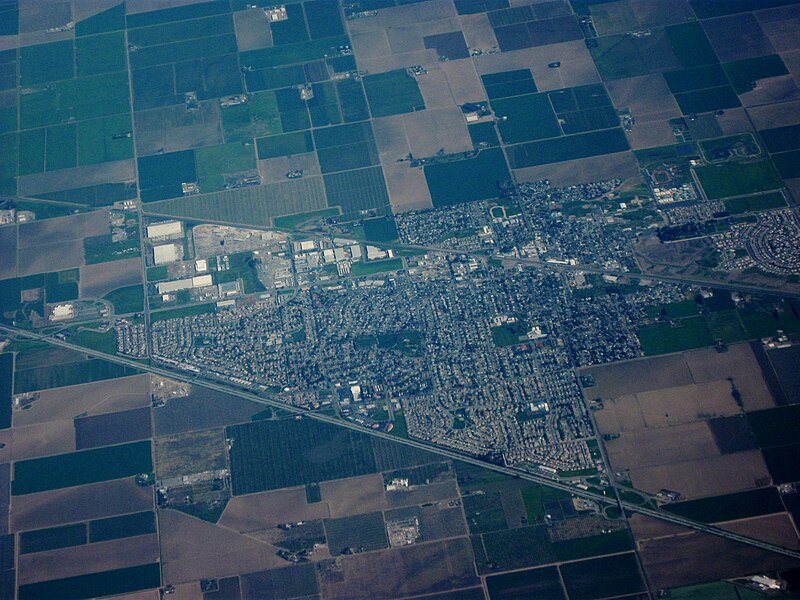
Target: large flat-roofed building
[166,287]
[165,229]
[165,253]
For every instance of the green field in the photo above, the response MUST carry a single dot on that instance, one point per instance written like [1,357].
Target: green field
[357,190]
[95,340]
[298,142]
[97,143]
[75,99]
[216,163]
[484,512]
[62,147]
[100,54]
[602,577]
[737,179]
[740,505]
[112,528]
[52,538]
[293,53]
[526,118]
[788,163]
[104,583]
[112,19]
[381,229]
[79,468]
[161,175]
[255,205]
[393,93]
[273,454]
[62,285]
[296,220]
[584,145]
[352,100]
[744,74]
[6,378]
[707,100]
[467,180]
[509,83]
[73,373]
[31,151]
[379,266]
[606,543]
[126,300]
[662,338]
[46,62]
[515,549]
[776,426]
[690,44]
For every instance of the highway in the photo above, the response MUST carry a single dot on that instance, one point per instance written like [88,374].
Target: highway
[13,332]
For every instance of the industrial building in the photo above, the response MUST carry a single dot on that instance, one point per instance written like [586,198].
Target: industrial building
[165,253]
[166,229]
[166,287]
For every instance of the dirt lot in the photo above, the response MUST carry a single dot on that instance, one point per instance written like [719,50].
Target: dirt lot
[738,362]
[8,250]
[355,495]
[704,476]
[418,569]
[636,376]
[463,81]
[775,529]
[648,97]
[89,558]
[268,509]
[666,407]
[98,397]
[65,179]
[190,453]
[408,189]
[433,492]
[93,501]
[698,558]
[573,172]
[99,279]
[273,170]
[55,437]
[428,131]
[174,128]
[192,549]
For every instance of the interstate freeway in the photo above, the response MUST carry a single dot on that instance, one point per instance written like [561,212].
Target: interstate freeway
[196,379]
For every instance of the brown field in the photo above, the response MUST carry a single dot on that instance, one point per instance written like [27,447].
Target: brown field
[202,409]
[430,130]
[189,453]
[391,62]
[776,529]
[45,354]
[84,10]
[355,495]
[740,364]
[435,89]
[781,26]
[704,476]
[89,558]
[54,437]
[113,428]
[34,16]
[273,170]
[631,377]
[391,139]
[53,181]
[735,121]
[646,528]
[648,97]
[699,558]
[417,569]
[478,32]
[408,189]
[99,279]
[737,37]
[268,509]
[774,89]
[45,509]
[155,595]
[5,451]
[174,128]
[651,135]
[775,115]
[192,549]
[463,81]
[445,490]
[583,170]
[666,407]
[50,257]
[137,6]
[8,250]
[98,397]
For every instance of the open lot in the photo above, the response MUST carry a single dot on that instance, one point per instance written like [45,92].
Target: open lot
[91,558]
[264,510]
[192,549]
[190,453]
[354,495]
[96,398]
[46,509]
[413,570]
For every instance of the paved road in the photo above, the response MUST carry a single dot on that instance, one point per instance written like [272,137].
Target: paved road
[195,379]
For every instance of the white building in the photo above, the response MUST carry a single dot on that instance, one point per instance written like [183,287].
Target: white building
[165,253]
[165,230]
